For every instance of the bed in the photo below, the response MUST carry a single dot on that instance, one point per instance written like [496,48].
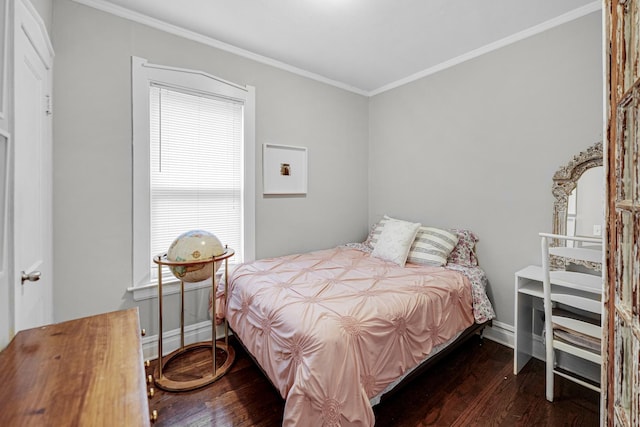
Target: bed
[335,329]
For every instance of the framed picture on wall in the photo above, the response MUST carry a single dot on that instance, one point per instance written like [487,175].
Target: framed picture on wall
[4,40]
[284,169]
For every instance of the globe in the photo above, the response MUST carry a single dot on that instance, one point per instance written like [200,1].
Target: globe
[194,245]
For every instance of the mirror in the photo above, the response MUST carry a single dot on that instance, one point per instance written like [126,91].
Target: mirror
[585,207]
[578,190]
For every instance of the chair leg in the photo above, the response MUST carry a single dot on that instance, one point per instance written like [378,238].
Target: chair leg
[549,380]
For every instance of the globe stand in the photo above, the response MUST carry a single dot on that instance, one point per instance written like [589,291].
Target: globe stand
[175,385]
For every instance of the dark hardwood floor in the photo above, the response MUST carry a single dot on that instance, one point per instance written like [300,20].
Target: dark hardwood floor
[474,386]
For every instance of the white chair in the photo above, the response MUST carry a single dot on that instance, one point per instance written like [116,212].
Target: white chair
[572,307]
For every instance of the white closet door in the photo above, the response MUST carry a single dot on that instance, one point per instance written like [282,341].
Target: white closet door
[32,172]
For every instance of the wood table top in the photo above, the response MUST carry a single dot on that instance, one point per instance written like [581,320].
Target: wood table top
[82,372]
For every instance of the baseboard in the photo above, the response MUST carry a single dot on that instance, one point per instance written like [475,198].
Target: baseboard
[171,339]
[503,333]
[499,332]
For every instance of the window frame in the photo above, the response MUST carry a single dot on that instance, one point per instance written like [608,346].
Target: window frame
[143,75]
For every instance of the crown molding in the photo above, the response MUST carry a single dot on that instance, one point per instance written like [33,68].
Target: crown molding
[209,41]
[191,35]
[536,29]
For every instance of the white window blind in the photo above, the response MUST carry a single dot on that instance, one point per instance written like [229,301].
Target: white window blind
[195,168]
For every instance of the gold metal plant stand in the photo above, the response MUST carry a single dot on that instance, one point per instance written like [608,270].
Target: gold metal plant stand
[175,385]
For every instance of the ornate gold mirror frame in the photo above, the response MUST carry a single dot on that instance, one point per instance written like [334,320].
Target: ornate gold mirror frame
[564,182]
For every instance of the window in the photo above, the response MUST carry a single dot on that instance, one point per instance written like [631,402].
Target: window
[195,167]
[193,149]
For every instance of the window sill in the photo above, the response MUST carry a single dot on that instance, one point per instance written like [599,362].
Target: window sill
[150,291]
[169,287]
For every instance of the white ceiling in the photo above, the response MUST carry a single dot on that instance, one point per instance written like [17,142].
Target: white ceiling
[366,46]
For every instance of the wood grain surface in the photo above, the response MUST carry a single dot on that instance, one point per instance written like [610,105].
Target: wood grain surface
[85,372]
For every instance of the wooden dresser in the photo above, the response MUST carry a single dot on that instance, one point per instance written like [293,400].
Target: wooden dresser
[85,372]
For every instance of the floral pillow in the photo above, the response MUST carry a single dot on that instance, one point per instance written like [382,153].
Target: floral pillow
[465,251]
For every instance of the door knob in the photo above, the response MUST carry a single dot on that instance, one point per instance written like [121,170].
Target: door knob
[34,276]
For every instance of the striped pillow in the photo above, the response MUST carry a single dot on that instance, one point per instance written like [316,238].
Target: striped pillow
[376,231]
[432,246]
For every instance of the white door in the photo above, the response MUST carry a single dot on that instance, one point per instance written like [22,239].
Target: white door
[32,217]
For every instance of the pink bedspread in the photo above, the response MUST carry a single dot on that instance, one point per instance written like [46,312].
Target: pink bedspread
[333,328]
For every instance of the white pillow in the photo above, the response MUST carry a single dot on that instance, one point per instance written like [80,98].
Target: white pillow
[395,241]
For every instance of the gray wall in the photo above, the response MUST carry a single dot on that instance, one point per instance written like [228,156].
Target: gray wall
[473,146]
[476,145]
[92,156]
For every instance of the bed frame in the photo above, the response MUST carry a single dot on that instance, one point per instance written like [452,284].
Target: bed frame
[476,328]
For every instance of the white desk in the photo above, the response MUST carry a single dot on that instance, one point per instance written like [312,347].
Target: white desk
[529,311]
[528,314]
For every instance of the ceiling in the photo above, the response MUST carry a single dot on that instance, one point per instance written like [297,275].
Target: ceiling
[366,46]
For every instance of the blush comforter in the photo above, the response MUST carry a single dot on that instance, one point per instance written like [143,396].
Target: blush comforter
[333,328]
